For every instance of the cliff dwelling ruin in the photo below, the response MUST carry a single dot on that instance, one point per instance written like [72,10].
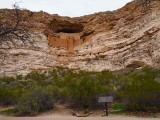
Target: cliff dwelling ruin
[66,34]
[67,40]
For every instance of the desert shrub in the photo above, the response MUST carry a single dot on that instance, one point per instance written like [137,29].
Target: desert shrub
[36,101]
[10,95]
[84,89]
[142,91]
[7,79]
[54,91]
[5,96]
[138,89]
[36,76]
[19,77]
[9,92]
[106,81]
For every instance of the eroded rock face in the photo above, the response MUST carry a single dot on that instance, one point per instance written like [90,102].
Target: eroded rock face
[128,37]
[113,51]
[65,26]
[24,59]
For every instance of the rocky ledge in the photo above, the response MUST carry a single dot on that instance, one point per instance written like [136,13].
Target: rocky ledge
[128,37]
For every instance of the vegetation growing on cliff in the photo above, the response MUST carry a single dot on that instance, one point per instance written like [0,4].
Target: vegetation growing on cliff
[13,26]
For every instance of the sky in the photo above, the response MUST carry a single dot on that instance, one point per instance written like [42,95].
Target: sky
[72,8]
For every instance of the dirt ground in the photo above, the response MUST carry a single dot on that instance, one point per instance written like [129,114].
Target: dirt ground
[65,117]
[63,113]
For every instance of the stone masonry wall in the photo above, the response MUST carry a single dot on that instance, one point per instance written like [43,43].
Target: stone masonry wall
[68,41]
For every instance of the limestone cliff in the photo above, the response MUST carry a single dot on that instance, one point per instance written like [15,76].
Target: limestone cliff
[128,37]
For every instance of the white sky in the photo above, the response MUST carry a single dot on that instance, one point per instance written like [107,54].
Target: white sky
[72,8]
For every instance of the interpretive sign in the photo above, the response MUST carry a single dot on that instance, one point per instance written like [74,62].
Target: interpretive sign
[106,100]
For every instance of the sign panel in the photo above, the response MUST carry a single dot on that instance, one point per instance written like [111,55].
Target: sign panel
[108,99]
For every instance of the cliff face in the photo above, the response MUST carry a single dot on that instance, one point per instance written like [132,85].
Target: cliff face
[128,37]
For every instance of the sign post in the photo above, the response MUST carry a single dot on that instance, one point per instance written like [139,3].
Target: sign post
[106,100]
[106,106]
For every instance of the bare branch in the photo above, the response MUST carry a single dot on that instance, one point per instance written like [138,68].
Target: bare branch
[13,26]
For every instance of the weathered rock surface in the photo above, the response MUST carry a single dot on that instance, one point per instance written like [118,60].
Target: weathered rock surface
[128,37]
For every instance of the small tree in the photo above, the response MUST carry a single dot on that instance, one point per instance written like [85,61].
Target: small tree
[13,25]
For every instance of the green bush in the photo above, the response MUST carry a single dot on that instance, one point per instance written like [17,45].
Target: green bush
[142,91]
[7,79]
[139,89]
[6,97]
[84,89]
[10,90]
[118,107]
[19,77]
[36,76]
[34,102]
